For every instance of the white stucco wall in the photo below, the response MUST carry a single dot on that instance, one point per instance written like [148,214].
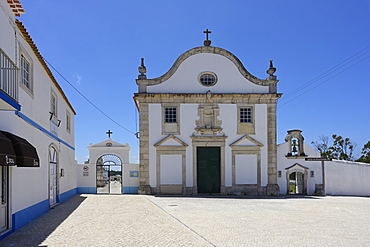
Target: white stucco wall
[347,178]
[185,79]
[171,169]
[246,169]
[188,117]
[7,30]
[29,186]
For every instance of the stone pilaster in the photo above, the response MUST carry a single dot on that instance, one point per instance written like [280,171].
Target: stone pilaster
[272,186]
[144,187]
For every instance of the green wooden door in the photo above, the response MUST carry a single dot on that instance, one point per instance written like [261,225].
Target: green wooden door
[208,169]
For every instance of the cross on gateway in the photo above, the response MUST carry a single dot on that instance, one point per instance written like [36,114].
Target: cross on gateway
[207,32]
[109,133]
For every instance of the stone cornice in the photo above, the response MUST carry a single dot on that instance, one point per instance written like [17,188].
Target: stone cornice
[201,98]
[213,50]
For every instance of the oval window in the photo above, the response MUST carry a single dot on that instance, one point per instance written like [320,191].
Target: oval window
[207,79]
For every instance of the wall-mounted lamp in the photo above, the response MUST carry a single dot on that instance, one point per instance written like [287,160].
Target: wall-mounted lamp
[59,121]
[51,115]
[62,172]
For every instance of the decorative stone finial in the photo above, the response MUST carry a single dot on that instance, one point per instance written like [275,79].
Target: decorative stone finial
[142,70]
[271,70]
[207,42]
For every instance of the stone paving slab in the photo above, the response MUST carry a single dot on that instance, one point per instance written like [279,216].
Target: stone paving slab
[136,220]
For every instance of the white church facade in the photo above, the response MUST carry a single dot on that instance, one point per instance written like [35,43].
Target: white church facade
[208,126]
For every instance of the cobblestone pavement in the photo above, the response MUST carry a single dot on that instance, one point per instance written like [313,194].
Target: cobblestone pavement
[135,220]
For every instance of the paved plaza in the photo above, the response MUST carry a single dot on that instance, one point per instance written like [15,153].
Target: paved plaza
[136,220]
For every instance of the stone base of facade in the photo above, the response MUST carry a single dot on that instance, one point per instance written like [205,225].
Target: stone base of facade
[144,190]
[272,190]
[238,190]
[319,189]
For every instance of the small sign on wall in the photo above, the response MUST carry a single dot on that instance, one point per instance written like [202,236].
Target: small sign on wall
[85,171]
[134,174]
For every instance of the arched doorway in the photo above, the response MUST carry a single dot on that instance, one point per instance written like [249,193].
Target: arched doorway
[53,176]
[297,183]
[109,174]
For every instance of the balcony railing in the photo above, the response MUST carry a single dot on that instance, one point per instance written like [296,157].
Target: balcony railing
[8,76]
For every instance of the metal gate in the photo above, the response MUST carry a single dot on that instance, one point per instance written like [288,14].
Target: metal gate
[109,175]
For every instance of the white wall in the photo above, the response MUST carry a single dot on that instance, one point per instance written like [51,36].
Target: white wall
[246,169]
[347,178]
[29,186]
[171,169]
[7,30]
[185,79]
[188,117]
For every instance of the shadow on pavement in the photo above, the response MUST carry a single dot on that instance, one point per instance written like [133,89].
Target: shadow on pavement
[35,232]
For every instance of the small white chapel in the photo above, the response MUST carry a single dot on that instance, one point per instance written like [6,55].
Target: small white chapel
[108,169]
[208,126]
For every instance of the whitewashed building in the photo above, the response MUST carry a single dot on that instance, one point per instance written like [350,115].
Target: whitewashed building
[300,172]
[207,126]
[108,170]
[37,155]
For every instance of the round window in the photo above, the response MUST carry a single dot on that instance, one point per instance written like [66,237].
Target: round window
[207,79]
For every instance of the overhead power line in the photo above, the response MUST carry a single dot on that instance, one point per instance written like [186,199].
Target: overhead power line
[97,108]
[344,65]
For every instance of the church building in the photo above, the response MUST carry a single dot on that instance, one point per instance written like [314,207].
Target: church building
[208,126]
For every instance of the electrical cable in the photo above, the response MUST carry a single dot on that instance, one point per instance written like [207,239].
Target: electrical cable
[285,103]
[86,97]
[328,72]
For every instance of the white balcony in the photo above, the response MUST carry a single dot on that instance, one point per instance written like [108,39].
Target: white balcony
[8,83]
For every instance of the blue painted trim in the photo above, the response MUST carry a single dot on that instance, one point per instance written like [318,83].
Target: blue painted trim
[10,100]
[68,194]
[34,124]
[6,234]
[26,215]
[86,190]
[130,189]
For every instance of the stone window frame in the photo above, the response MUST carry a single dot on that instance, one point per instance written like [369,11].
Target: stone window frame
[246,127]
[170,150]
[246,150]
[169,128]
[207,73]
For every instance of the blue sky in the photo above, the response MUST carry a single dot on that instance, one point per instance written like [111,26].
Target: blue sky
[97,46]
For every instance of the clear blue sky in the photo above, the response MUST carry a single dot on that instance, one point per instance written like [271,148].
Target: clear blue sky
[97,46]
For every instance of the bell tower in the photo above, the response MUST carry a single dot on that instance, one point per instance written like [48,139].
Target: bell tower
[296,147]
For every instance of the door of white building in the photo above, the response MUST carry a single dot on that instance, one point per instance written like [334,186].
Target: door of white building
[4,205]
[53,176]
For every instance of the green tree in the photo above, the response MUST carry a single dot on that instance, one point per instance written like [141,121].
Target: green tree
[365,153]
[341,149]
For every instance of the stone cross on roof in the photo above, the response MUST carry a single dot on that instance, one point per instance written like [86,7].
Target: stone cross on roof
[207,42]
[109,133]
